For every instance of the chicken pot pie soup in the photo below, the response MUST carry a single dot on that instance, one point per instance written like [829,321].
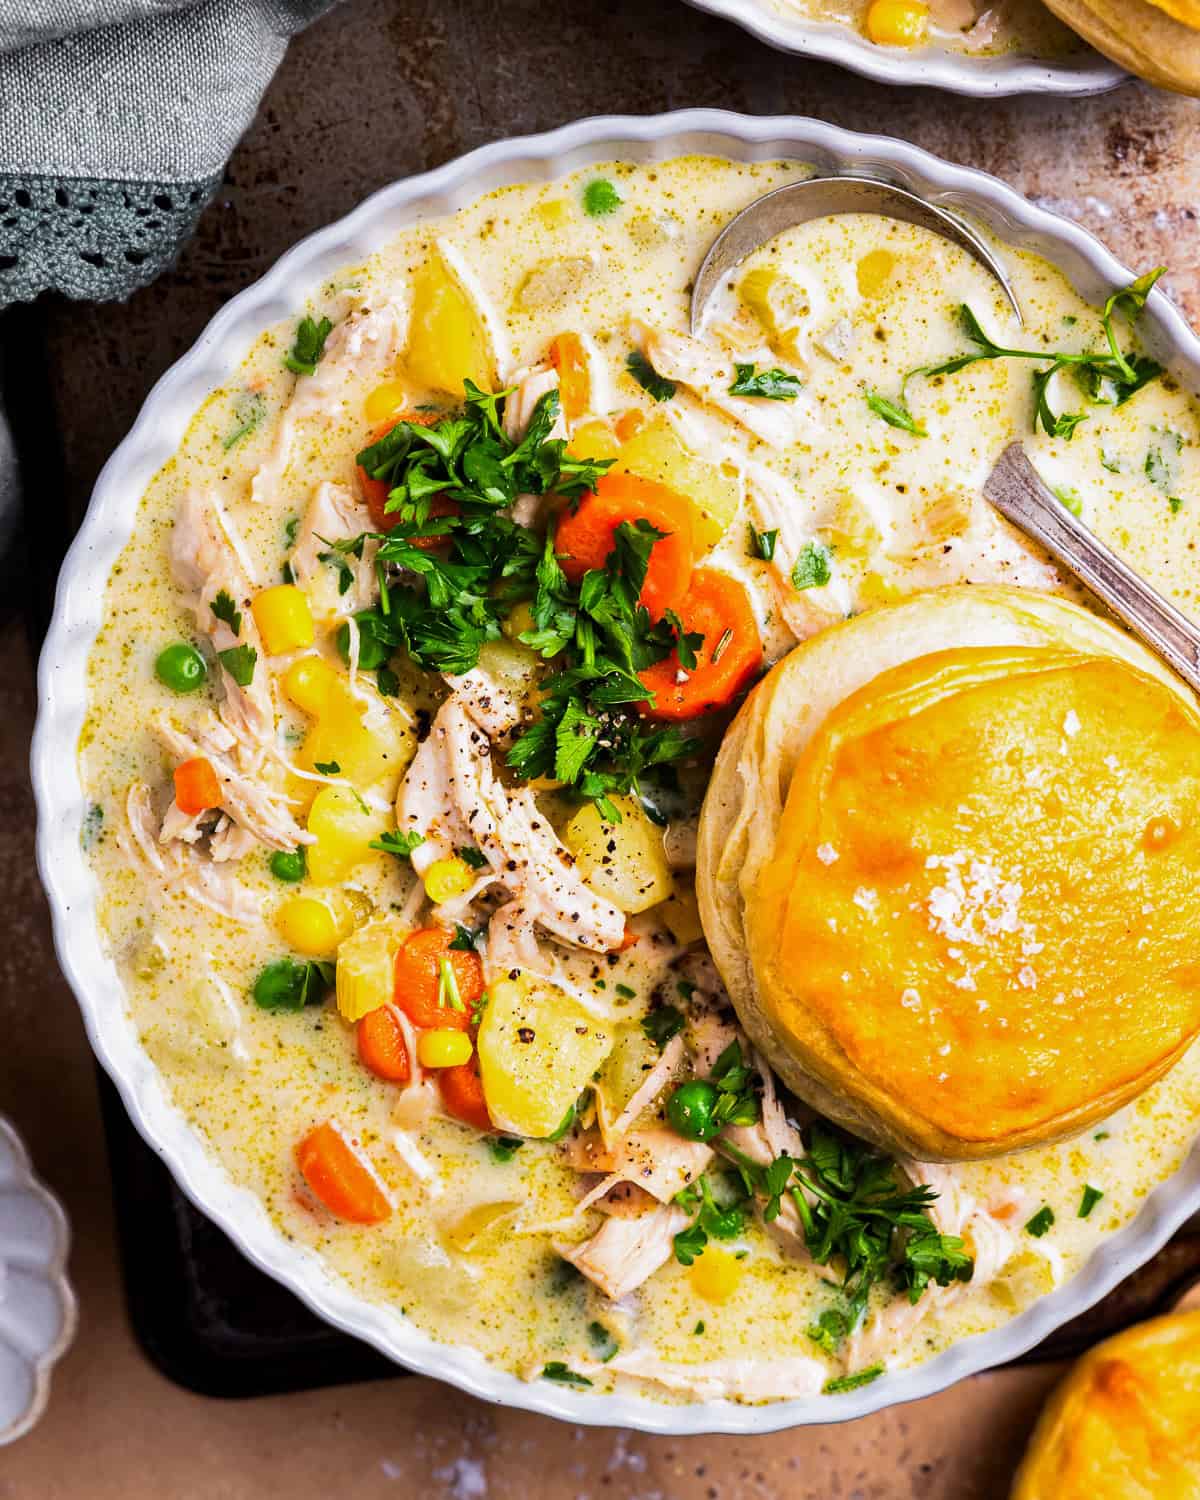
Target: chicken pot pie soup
[410,687]
[978,28]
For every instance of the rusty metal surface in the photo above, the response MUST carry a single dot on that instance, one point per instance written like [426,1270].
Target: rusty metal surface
[376,91]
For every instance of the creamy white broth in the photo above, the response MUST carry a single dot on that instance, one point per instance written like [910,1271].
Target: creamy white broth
[881,499]
[975,27]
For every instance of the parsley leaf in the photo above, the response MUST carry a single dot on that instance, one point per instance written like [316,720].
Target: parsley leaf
[249,409]
[648,378]
[463,940]
[830,1328]
[239,662]
[842,1383]
[600,198]
[762,543]
[475,858]
[662,1024]
[689,1243]
[602,1342]
[1091,1196]
[225,609]
[400,842]
[327,767]
[502,1148]
[811,570]
[1041,1222]
[773,385]
[895,414]
[556,1370]
[309,346]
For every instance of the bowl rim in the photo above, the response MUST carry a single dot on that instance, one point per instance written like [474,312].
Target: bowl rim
[78,614]
[931,67]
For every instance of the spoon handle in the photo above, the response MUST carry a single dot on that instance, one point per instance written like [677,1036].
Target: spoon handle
[1018,492]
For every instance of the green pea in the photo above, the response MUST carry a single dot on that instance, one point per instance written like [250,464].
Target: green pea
[690,1110]
[372,652]
[289,864]
[181,668]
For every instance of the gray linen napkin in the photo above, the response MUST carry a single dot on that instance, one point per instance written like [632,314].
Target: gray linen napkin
[116,120]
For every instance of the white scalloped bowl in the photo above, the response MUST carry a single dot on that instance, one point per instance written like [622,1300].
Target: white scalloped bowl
[77,618]
[37,1306]
[932,67]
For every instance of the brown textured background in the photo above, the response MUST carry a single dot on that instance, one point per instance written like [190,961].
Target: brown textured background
[377,91]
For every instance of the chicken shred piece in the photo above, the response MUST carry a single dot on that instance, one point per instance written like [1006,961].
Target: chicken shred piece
[623,1253]
[709,373]
[719,1379]
[204,562]
[653,1159]
[335,514]
[365,344]
[648,1091]
[178,866]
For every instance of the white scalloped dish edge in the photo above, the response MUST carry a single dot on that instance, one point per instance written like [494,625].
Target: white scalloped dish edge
[37,1306]
[78,615]
[992,77]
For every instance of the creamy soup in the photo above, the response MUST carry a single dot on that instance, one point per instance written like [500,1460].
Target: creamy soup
[323,733]
[976,27]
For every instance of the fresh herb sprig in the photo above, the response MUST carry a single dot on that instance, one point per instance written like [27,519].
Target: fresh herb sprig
[308,347]
[1108,377]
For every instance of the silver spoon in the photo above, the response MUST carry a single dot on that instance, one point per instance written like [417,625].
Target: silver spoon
[817,198]
[1019,493]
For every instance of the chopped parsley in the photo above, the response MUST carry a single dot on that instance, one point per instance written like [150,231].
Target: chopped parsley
[602,1342]
[556,1370]
[225,609]
[842,1383]
[699,1328]
[772,385]
[689,1243]
[1091,1196]
[463,940]
[762,543]
[327,767]
[239,662]
[811,570]
[286,984]
[473,857]
[626,992]
[249,409]
[895,414]
[600,198]
[308,347]
[400,842]
[1041,1222]
[502,1148]
[1109,377]
[93,824]
[648,378]
[830,1328]
[662,1024]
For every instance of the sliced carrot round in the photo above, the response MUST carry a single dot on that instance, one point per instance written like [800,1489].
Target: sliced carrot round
[717,607]
[462,1094]
[339,1178]
[381,1045]
[375,491]
[569,358]
[423,988]
[585,540]
[196,786]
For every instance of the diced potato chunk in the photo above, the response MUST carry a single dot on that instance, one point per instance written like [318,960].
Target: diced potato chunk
[624,862]
[344,827]
[715,493]
[632,1057]
[478,1224]
[511,666]
[555,280]
[366,962]
[538,1049]
[780,304]
[364,755]
[447,339]
[680,912]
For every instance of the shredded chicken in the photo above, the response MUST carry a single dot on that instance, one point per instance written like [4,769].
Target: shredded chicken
[179,867]
[452,796]
[719,1379]
[651,1086]
[623,1253]
[709,373]
[519,408]
[335,515]
[491,706]
[679,842]
[654,1159]
[366,344]
[208,558]
[248,801]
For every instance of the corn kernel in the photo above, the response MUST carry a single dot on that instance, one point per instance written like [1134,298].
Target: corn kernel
[384,400]
[307,925]
[447,878]
[443,1049]
[308,683]
[715,1274]
[518,620]
[283,618]
[897,23]
[553,213]
[875,272]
